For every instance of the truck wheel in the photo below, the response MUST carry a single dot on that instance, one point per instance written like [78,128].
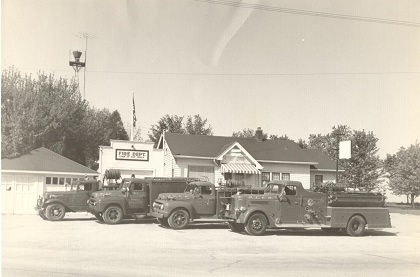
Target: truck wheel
[331,230]
[356,226]
[236,227]
[113,215]
[256,225]
[163,222]
[99,217]
[55,212]
[179,219]
[42,215]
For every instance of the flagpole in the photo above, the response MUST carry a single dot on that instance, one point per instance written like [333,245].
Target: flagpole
[132,121]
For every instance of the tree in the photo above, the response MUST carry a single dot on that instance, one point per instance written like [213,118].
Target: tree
[362,170]
[168,123]
[197,126]
[174,124]
[302,143]
[329,143]
[282,137]
[50,112]
[404,171]
[100,126]
[247,133]
[39,112]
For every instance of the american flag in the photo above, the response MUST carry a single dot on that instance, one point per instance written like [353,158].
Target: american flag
[134,113]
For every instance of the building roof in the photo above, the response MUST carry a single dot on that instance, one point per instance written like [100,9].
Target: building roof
[324,162]
[268,150]
[44,160]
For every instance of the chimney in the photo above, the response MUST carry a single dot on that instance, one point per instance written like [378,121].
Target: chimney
[259,134]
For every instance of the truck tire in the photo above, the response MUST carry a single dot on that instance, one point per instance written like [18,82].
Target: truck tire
[179,219]
[55,212]
[113,215]
[356,226]
[331,230]
[236,227]
[42,215]
[99,217]
[256,225]
[163,222]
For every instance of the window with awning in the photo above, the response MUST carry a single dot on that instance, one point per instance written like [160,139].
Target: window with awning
[239,168]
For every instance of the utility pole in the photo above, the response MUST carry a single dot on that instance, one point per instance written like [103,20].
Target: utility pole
[338,156]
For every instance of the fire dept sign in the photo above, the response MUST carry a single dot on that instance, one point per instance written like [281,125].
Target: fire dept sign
[131,155]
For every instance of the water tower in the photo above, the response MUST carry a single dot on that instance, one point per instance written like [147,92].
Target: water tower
[77,64]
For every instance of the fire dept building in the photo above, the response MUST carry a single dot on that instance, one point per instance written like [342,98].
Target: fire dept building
[220,160]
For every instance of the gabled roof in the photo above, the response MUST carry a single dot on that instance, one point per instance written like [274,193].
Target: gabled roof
[44,160]
[212,146]
[237,144]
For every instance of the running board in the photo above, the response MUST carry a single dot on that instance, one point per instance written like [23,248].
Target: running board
[211,220]
[301,225]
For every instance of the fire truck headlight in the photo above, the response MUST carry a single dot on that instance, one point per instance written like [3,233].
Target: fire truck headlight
[241,209]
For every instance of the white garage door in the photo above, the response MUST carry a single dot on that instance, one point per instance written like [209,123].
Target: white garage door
[19,194]
[137,173]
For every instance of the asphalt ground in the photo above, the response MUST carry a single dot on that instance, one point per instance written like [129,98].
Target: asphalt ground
[82,246]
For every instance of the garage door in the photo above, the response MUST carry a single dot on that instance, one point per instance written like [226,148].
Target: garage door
[19,194]
[137,173]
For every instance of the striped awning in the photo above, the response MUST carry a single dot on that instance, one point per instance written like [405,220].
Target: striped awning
[240,168]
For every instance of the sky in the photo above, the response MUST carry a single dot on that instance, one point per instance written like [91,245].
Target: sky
[289,67]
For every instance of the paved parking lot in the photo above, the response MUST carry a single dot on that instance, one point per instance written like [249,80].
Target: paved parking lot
[81,246]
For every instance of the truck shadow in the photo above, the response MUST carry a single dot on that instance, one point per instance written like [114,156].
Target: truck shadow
[320,233]
[132,221]
[77,219]
[197,226]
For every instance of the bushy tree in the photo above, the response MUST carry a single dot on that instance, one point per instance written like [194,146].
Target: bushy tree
[362,170]
[42,111]
[167,123]
[174,124]
[197,126]
[247,133]
[404,171]
[50,112]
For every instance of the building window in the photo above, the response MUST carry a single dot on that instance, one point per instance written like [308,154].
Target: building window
[55,180]
[265,178]
[48,181]
[239,176]
[285,176]
[228,176]
[201,171]
[276,176]
[319,178]
[61,181]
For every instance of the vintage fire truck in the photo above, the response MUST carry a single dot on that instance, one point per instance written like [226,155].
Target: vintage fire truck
[53,205]
[286,204]
[133,199]
[201,202]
